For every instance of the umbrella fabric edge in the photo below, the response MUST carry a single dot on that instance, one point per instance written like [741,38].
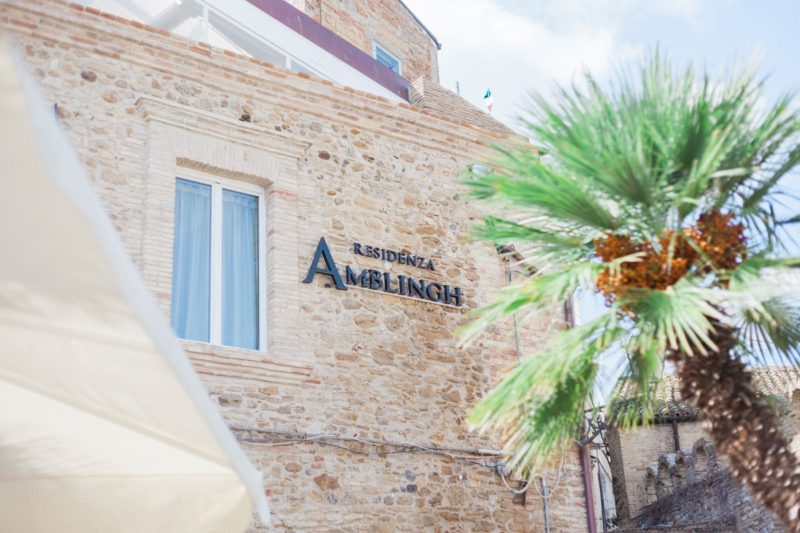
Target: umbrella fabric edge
[67,173]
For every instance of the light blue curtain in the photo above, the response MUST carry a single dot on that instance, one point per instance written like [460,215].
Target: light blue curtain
[191,261]
[239,269]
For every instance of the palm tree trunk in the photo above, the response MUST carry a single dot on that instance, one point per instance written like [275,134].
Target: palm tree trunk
[742,426]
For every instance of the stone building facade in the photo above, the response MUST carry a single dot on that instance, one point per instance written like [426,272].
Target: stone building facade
[353,406]
[387,23]
[632,454]
[668,474]
[692,490]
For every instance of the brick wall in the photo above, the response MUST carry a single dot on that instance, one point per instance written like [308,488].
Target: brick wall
[427,94]
[386,21]
[633,451]
[716,502]
[141,105]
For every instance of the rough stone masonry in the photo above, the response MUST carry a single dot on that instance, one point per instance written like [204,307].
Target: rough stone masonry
[142,106]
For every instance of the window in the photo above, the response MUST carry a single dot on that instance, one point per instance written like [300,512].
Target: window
[218,262]
[385,57]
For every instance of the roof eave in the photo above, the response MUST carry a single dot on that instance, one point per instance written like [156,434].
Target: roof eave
[422,25]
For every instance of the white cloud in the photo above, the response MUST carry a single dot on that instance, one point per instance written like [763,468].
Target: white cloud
[515,48]
[603,10]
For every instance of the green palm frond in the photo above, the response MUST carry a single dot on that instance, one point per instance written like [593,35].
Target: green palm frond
[555,195]
[661,145]
[543,246]
[680,316]
[631,401]
[538,406]
[771,331]
[753,270]
[503,231]
[761,295]
[628,164]
[762,225]
[533,294]
[538,292]
[754,194]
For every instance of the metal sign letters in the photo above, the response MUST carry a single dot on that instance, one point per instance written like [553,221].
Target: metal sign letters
[387,282]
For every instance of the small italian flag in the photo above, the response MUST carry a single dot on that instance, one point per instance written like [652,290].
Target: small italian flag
[488,100]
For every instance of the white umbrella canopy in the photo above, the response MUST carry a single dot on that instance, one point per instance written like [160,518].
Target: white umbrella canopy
[104,426]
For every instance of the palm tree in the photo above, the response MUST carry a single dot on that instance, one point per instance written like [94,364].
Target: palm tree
[659,192]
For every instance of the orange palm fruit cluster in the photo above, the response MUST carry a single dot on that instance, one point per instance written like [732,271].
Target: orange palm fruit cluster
[717,242]
[721,239]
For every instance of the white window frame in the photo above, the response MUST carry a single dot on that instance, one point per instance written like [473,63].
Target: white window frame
[376,45]
[217,185]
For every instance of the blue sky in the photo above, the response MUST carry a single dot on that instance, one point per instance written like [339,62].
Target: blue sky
[515,46]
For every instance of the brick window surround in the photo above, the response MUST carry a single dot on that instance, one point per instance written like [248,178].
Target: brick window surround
[181,137]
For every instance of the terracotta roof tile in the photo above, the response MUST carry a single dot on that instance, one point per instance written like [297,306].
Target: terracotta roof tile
[774,381]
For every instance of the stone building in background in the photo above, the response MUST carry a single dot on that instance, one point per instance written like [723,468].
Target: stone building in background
[387,29]
[669,475]
[235,142]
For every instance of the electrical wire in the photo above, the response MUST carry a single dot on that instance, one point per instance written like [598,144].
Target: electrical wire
[472,455]
[522,490]
[478,457]
[550,493]
[530,481]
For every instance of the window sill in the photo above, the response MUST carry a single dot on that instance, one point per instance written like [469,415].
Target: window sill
[213,362]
